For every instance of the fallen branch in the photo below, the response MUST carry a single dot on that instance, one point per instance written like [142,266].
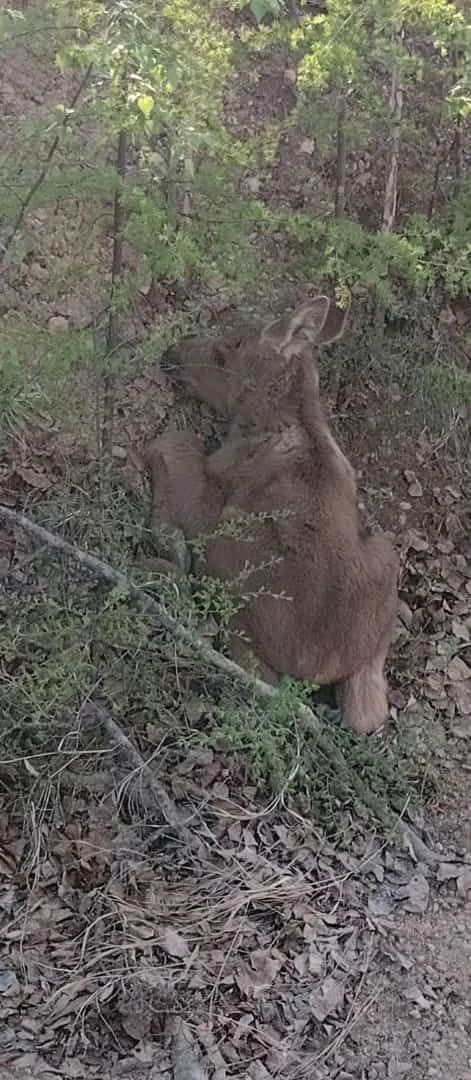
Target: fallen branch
[166,805]
[153,607]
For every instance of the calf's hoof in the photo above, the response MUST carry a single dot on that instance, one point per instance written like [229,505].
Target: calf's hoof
[363,701]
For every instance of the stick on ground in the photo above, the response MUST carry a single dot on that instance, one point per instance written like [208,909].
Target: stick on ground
[147,603]
[166,805]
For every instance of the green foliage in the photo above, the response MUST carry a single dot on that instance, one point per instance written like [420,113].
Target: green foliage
[161,67]
[343,44]
[213,241]
[46,665]
[421,258]
[160,74]
[262,8]
[336,771]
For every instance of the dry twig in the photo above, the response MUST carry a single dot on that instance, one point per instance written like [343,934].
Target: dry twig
[166,805]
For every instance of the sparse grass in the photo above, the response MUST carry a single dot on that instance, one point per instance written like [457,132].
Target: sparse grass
[405,359]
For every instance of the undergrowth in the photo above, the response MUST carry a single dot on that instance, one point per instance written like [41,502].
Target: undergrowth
[66,638]
[406,359]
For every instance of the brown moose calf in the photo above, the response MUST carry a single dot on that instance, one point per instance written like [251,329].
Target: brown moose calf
[318,593]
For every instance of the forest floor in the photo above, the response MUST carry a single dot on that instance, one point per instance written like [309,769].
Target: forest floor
[284,957]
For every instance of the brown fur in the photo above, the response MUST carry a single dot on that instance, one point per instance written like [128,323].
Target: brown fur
[183,502]
[322,599]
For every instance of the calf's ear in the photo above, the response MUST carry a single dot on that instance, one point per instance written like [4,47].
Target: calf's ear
[316,322]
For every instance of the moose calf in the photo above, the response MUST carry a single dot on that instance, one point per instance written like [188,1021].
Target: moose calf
[318,594]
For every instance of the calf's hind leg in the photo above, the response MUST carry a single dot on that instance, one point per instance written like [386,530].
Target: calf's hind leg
[363,698]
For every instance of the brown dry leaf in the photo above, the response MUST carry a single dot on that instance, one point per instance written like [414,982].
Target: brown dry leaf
[136,1022]
[460,630]
[327,998]
[453,491]
[65,1004]
[416,894]
[307,146]
[7,864]
[173,943]
[458,670]
[9,985]
[183,1051]
[119,452]
[433,687]
[463,884]
[255,978]
[32,478]
[414,540]
[413,993]
[380,904]
[448,871]
[461,694]
[398,1069]
[257,1071]
[316,961]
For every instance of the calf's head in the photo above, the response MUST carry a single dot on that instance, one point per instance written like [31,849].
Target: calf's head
[247,371]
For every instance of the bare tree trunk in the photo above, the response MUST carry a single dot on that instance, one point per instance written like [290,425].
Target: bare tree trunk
[395,103]
[112,336]
[293,11]
[340,189]
[457,58]
[390,192]
[188,183]
[458,153]
[155,292]
[171,181]
[188,178]
[436,179]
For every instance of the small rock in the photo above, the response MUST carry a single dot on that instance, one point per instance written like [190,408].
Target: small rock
[58,322]
[9,985]
[119,453]
[38,271]
[253,184]
[307,146]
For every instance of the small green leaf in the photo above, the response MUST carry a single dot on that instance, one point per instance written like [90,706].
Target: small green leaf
[260,8]
[146,104]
